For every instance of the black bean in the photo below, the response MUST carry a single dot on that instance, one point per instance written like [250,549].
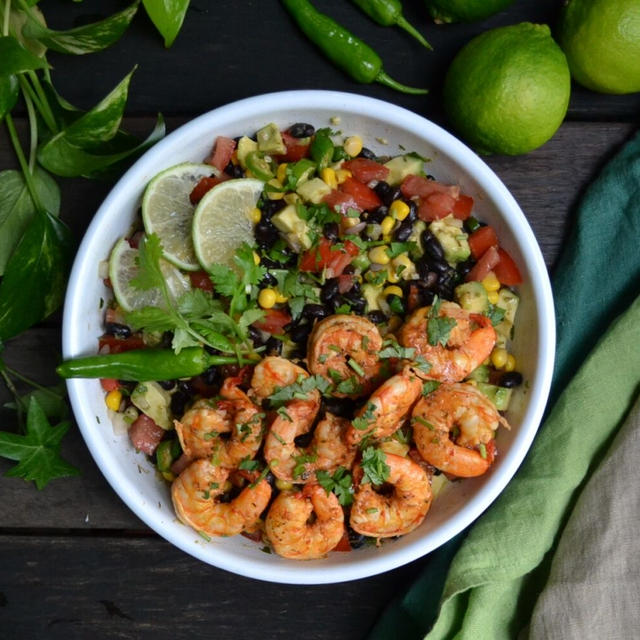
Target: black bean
[348,270]
[413,210]
[300,333]
[117,330]
[356,540]
[377,316]
[167,339]
[383,189]
[273,346]
[511,379]
[427,297]
[312,311]
[395,194]
[357,304]
[303,440]
[343,407]
[234,170]
[378,215]
[329,290]
[178,402]
[228,370]
[404,231]
[256,336]
[444,291]
[432,246]
[167,385]
[272,206]
[367,153]
[331,231]
[184,386]
[463,268]
[266,233]
[441,267]
[212,374]
[301,130]
[268,280]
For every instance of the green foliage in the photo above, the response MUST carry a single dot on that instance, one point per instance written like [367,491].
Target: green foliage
[167,16]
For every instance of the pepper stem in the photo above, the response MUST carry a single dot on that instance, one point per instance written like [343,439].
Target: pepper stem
[411,30]
[383,78]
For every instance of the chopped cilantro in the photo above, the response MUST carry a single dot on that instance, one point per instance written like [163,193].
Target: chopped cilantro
[356,367]
[483,450]
[429,386]
[375,467]
[495,314]
[299,390]
[423,422]
[301,463]
[398,248]
[364,421]
[438,327]
[340,483]
[349,386]
[282,412]
[249,465]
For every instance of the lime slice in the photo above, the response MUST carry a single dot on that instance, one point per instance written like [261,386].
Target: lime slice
[222,220]
[168,212]
[123,267]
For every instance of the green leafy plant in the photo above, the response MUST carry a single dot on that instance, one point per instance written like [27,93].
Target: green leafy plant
[35,244]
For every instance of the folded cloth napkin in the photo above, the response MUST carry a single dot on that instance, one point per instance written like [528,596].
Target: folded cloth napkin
[494,579]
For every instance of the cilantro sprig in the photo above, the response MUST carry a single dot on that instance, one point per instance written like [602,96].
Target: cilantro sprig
[375,467]
[340,483]
[438,327]
[299,390]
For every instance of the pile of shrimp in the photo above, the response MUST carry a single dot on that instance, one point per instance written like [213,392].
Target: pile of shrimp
[452,429]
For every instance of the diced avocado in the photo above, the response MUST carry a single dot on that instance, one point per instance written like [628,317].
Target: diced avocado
[295,229]
[416,237]
[472,297]
[244,148]
[313,190]
[452,237]
[480,374]
[508,301]
[500,396]
[270,140]
[438,484]
[402,166]
[153,401]
[371,294]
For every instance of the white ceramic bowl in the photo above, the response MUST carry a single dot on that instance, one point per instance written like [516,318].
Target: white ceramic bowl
[375,121]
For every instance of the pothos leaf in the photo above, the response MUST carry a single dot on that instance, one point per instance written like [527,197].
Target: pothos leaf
[85,39]
[33,283]
[167,16]
[38,450]
[17,208]
[8,94]
[14,58]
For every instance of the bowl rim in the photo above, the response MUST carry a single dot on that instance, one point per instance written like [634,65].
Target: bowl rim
[541,292]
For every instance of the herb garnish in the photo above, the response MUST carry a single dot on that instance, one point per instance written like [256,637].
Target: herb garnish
[438,327]
[375,467]
[340,483]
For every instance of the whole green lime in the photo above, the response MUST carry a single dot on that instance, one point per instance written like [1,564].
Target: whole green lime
[507,90]
[464,10]
[601,39]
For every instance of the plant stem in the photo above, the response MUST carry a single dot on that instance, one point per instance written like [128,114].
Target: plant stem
[46,112]
[43,109]
[14,392]
[32,383]
[7,11]
[33,130]
[28,177]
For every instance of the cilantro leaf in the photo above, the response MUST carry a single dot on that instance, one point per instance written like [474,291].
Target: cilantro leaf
[196,303]
[340,483]
[366,419]
[438,327]
[149,272]
[375,467]
[398,248]
[301,463]
[299,390]
[38,450]
[495,314]
[396,351]
[225,280]
[429,386]
[151,318]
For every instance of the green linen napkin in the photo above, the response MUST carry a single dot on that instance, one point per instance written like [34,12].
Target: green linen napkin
[493,581]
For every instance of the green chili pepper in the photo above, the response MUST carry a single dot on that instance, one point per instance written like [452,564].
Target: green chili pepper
[321,148]
[299,171]
[144,364]
[164,455]
[260,168]
[388,13]
[346,51]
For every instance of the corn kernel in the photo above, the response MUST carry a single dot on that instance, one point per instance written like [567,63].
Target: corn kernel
[510,364]
[387,225]
[399,210]
[328,175]
[493,297]
[168,476]
[281,172]
[342,175]
[255,215]
[256,258]
[379,255]
[267,298]
[499,357]
[490,282]
[404,267]
[394,447]
[392,276]
[393,290]
[283,485]
[292,198]
[350,222]
[280,299]
[276,194]
[113,399]
[353,145]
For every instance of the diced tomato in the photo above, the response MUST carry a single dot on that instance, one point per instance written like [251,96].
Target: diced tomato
[491,450]
[145,434]
[337,263]
[111,344]
[366,170]
[180,464]
[481,239]
[222,151]
[463,206]
[366,198]
[316,259]
[506,270]
[341,202]
[326,256]
[274,321]
[109,384]
[205,184]
[345,282]
[201,280]
[343,543]
[297,148]
[435,206]
[134,240]
[487,262]
[419,186]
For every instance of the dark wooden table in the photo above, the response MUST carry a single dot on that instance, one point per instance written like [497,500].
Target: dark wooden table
[74,561]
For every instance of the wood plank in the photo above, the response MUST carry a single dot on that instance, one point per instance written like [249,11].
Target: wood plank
[76,588]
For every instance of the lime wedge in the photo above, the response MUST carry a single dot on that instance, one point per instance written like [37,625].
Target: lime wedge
[123,267]
[222,220]
[168,212]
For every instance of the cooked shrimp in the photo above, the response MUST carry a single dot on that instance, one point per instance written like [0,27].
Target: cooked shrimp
[469,343]
[344,347]
[462,409]
[273,373]
[291,533]
[382,515]
[194,495]
[387,407]
[201,427]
